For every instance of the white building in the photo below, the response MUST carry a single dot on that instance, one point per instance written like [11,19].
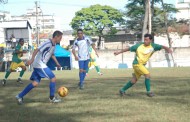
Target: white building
[184,9]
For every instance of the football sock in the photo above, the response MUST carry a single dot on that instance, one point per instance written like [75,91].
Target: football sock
[81,77]
[97,68]
[128,85]
[26,90]
[52,88]
[87,70]
[21,73]
[7,74]
[147,84]
[84,75]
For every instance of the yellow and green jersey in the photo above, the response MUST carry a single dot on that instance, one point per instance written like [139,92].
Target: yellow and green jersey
[143,53]
[92,54]
[16,57]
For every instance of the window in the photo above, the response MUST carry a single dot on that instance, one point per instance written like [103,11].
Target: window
[180,1]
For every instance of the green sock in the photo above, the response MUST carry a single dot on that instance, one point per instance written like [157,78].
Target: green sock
[128,85]
[87,70]
[147,84]
[21,73]
[97,68]
[7,74]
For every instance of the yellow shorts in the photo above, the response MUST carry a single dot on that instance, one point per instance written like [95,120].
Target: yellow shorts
[92,64]
[15,65]
[139,70]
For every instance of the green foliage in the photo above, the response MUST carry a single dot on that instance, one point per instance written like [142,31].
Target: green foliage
[135,10]
[96,18]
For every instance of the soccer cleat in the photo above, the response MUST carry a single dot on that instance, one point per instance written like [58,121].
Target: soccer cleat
[150,94]
[100,73]
[81,87]
[19,100]
[55,100]
[122,93]
[3,82]
[19,81]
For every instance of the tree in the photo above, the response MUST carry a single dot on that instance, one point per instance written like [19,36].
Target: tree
[3,1]
[95,19]
[135,15]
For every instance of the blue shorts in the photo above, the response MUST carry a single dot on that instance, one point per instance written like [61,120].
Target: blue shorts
[39,73]
[83,64]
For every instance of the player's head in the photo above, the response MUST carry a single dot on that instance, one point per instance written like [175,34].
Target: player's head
[147,39]
[80,33]
[57,36]
[21,41]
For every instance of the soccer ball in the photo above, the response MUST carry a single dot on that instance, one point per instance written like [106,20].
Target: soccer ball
[62,91]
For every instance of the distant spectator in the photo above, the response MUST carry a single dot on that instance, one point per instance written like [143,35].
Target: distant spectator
[13,40]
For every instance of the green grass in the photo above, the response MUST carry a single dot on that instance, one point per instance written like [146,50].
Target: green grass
[100,101]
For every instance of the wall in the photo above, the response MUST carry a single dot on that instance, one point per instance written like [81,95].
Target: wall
[108,60]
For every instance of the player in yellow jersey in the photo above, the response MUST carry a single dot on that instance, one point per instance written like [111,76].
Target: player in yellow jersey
[93,61]
[143,52]
[16,62]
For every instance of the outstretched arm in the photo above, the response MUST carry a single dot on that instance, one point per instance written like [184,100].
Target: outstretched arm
[122,51]
[167,49]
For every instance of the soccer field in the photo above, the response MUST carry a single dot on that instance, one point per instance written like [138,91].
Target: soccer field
[100,101]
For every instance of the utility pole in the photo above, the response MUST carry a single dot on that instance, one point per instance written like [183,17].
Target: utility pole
[37,28]
[149,18]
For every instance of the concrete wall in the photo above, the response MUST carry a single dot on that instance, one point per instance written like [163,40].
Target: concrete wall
[108,60]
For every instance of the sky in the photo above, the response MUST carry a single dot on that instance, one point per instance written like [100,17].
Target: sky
[64,9]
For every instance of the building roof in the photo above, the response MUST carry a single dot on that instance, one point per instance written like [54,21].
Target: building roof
[16,24]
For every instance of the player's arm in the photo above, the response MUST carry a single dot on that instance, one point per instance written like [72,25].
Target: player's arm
[94,47]
[122,51]
[56,62]
[167,49]
[33,56]
[74,52]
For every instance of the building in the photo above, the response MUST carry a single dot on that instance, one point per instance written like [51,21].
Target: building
[47,24]
[184,9]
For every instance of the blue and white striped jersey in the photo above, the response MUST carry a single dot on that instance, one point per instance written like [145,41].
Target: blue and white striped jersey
[46,50]
[83,48]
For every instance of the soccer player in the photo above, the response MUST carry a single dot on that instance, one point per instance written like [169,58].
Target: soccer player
[93,62]
[83,43]
[39,59]
[16,62]
[143,52]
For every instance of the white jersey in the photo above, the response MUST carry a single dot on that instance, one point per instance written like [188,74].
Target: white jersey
[83,48]
[46,50]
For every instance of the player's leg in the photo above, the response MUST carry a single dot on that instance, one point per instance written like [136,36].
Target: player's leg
[81,70]
[89,65]
[22,65]
[8,72]
[135,76]
[97,68]
[36,79]
[85,68]
[146,73]
[52,85]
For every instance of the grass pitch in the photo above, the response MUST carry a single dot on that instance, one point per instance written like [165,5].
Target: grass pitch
[100,101]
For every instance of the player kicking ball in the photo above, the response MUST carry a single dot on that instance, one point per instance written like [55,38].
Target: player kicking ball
[143,52]
[16,62]
[39,59]
[93,62]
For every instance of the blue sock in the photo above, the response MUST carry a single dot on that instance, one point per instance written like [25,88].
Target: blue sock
[81,78]
[84,75]
[52,88]
[26,90]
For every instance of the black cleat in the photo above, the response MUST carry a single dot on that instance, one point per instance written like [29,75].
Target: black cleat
[150,94]
[122,93]
[3,82]
[19,81]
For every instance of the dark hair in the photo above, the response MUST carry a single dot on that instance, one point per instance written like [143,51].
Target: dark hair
[148,35]
[57,33]
[79,30]
[21,40]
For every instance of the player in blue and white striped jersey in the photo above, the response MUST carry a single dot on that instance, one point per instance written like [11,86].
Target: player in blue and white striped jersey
[39,59]
[83,43]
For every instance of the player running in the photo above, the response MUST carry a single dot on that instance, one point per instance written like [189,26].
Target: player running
[16,62]
[93,62]
[143,52]
[83,43]
[39,59]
